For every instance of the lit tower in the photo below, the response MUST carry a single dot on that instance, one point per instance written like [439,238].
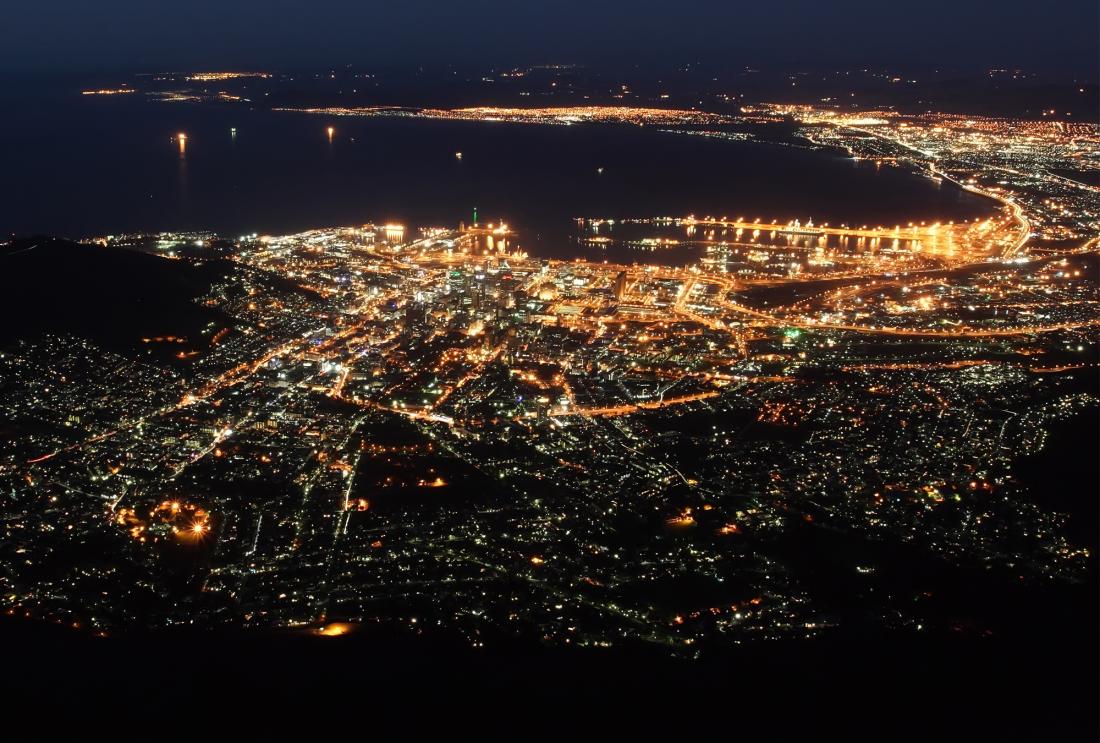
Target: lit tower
[620,286]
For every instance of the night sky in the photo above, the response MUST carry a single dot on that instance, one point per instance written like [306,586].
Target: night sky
[1057,36]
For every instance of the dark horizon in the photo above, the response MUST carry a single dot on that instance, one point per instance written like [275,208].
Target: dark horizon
[127,36]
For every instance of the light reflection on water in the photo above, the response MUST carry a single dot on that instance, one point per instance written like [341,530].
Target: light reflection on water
[79,165]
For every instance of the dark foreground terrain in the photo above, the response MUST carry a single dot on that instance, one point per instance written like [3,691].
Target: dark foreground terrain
[262,686]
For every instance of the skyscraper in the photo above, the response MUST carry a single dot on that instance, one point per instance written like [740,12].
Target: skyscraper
[620,286]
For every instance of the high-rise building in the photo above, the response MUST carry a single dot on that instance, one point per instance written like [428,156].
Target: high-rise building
[620,286]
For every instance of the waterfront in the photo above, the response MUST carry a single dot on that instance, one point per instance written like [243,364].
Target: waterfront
[113,162]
